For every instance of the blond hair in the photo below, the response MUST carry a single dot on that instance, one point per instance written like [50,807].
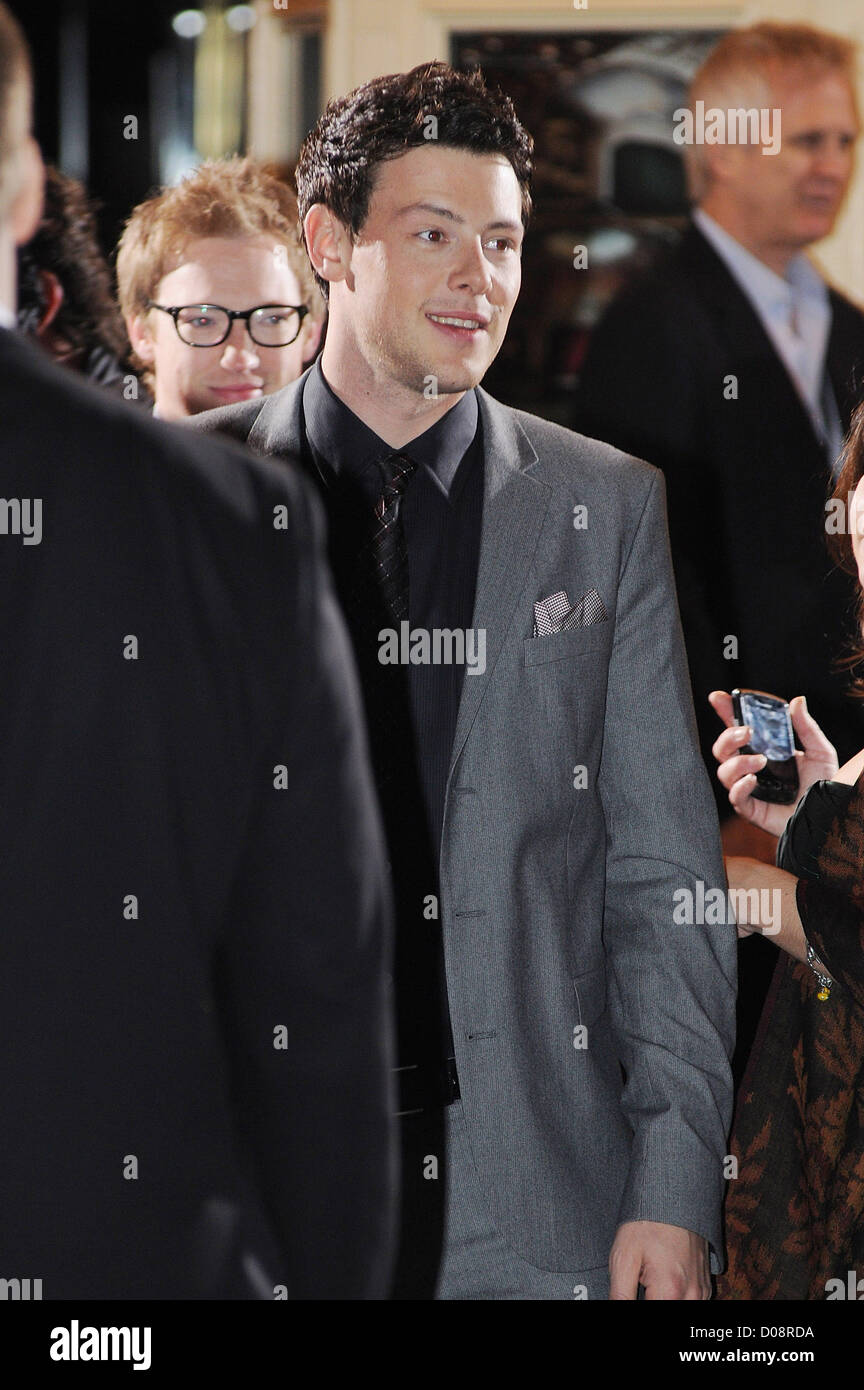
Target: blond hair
[747,66]
[16,98]
[236,197]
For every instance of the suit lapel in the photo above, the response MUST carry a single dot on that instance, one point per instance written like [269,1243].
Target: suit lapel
[747,340]
[514,509]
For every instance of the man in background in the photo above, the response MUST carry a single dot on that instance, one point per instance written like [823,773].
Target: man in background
[65,294]
[735,369]
[193,1016]
[219,301]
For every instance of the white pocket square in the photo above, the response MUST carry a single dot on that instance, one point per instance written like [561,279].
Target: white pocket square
[555,613]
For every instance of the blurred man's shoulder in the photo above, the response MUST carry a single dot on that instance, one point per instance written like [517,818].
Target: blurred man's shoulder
[235,421]
[73,434]
[268,424]
[846,313]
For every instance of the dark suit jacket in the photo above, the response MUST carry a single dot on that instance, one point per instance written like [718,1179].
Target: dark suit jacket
[747,479]
[167,908]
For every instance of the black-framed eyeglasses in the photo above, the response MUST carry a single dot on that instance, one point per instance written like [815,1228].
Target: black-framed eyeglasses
[208,325]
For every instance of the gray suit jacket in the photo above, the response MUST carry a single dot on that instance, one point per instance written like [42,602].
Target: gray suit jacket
[557,885]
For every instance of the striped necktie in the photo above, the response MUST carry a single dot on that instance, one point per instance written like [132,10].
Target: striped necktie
[389,551]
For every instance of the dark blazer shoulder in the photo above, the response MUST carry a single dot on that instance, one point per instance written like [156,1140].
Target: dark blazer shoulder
[666,313]
[846,311]
[269,425]
[93,446]
[235,421]
[846,347]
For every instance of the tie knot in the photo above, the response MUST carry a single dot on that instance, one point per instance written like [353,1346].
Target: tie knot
[397,470]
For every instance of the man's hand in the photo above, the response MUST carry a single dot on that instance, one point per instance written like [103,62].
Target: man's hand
[737,770]
[669,1261]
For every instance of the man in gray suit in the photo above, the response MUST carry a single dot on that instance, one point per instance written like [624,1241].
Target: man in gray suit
[565,1016]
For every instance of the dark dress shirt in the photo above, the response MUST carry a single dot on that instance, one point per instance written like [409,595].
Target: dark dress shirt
[441,511]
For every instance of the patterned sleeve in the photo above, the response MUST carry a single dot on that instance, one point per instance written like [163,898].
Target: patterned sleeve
[832,910]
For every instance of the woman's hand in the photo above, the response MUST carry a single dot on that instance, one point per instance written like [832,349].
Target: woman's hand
[763,899]
[737,770]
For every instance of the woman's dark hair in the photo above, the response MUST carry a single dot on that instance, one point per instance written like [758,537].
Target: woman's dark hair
[840,542]
[67,244]
[391,115]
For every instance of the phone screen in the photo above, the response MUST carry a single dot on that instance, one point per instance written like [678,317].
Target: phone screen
[772,730]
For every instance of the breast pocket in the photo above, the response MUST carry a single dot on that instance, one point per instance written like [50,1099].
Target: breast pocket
[563,646]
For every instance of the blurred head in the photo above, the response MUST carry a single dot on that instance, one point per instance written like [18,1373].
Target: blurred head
[65,295]
[226,236]
[20,161]
[414,192]
[846,542]
[782,201]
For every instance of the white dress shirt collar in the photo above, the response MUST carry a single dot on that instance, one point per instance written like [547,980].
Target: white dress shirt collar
[795,312]
[759,281]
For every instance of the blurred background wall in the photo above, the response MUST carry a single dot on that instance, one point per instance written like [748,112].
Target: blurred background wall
[365,37]
[130,96]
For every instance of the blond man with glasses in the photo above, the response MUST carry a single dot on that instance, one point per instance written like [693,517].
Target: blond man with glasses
[219,256]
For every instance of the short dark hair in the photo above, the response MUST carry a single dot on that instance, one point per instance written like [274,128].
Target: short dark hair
[15,90]
[391,115]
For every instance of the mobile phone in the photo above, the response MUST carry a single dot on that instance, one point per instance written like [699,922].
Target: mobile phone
[768,717]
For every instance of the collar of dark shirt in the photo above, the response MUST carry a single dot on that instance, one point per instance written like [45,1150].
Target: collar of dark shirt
[345,444]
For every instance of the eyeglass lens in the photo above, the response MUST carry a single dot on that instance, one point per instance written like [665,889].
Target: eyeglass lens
[204,325]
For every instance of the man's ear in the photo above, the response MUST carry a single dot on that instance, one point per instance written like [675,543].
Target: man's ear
[54,295]
[328,243]
[26,210]
[140,338]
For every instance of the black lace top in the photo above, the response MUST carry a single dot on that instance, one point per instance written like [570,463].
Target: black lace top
[807,829]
